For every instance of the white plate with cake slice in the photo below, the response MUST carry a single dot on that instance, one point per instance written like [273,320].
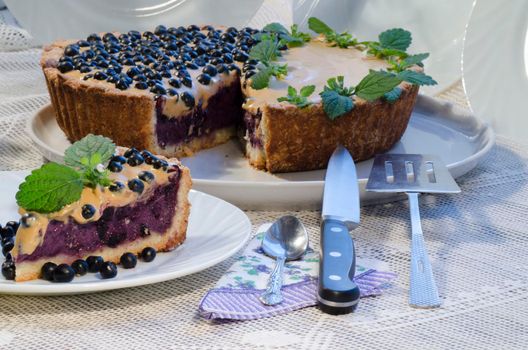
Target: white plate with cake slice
[216,231]
[436,127]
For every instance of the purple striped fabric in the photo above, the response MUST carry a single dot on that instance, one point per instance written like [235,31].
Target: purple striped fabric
[243,304]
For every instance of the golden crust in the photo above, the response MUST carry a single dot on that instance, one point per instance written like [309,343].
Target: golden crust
[162,242]
[293,144]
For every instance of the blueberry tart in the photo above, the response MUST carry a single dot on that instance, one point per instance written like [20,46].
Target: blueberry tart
[96,214]
[289,97]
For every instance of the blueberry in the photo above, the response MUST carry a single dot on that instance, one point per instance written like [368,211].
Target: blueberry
[234,67]
[128,260]
[13,224]
[193,28]
[241,56]
[118,159]
[133,71]
[80,267]
[200,61]
[63,273]
[83,43]
[88,76]
[131,151]
[222,68]
[108,270]
[7,246]
[85,69]
[148,254]
[88,211]
[121,84]
[71,50]
[188,99]
[7,232]
[210,70]
[144,230]
[249,74]
[27,220]
[141,85]
[134,35]
[228,58]
[136,185]
[65,66]
[173,92]
[160,163]
[150,159]
[109,37]
[140,77]
[116,187]
[146,176]
[191,65]
[94,263]
[8,269]
[204,79]
[160,30]
[159,90]
[187,81]
[135,159]
[175,82]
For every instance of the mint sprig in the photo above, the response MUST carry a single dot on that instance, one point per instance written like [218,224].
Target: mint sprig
[299,99]
[53,186]
[342,40]
[416,78]
[396,38]
[376,84]
[261,79]
[336,98]
[266,52]
[50,188]
[292,37]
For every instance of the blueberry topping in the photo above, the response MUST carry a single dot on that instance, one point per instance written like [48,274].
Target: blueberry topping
[27,220]
[191,65]
[108,270]
[187,99]
[63,273]
[187,81]
[193,28]
[8,269]
[128,260]
[204,79]
[199,61]
[94,263]
[7,232]
[7,245]
[133,71]
[12,224]
[173,92]
[234,67]
[100,75]
[121,84]
[146,176]
[136,185]
[160,30]
[159,90]
[222,68]
[88,211]
[228,58]
[65,66]
[148,254]
[210,70]
[80,267]
[71,50]
[87,76]
[160,163]
[135,159]
[118,159]
[141,85]
[241,56]
[129,152]
[144,230]
[116,186]
[46,272]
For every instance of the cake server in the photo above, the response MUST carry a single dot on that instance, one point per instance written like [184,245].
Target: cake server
[413,174]
[337,293]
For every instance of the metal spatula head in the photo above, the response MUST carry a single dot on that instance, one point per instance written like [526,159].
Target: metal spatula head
[410,173]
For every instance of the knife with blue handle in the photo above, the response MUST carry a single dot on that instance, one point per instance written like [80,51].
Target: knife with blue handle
[337,293]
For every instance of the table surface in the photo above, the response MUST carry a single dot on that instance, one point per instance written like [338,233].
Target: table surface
[477,241]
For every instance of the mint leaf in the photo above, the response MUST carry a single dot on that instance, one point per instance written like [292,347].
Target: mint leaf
[260,80]
[298,37]
[376,84]
[396,38]
[411,60]
[307,90]
[416,78]
[319,26]
[49,188]
[335,105]
[276,27]
[265,51]
[79,154]
[338,84]
[393,95]
[300,100]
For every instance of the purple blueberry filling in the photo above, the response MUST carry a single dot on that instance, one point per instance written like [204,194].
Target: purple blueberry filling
[251,123]
[116,226]
[223,110]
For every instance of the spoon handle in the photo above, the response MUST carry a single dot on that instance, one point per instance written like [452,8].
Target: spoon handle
[272,295]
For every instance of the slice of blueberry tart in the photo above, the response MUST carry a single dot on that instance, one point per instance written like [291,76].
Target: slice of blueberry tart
[105,206]
[289,97]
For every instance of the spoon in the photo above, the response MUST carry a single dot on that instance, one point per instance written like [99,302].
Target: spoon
[285,240]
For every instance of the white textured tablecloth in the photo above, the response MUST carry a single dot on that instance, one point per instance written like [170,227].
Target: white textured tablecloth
[478,244]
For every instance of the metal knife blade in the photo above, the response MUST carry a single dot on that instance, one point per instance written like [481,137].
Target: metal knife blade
[341,192]
[337,293]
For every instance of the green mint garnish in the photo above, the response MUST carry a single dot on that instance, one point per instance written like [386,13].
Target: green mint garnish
[336,98]
[50,188]
[342,40]
[397,38]
[403,64]
[53,186]
[260,80]
[416,78]
[292,37]
[299,99]
[265,51]
[393,95]
[376,84]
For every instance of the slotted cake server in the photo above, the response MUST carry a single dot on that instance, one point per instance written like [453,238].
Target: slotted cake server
[413,174]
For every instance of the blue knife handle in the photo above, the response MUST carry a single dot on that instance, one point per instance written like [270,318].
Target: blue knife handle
[337,294]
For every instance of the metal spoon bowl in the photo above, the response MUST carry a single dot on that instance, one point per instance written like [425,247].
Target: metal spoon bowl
[286,239]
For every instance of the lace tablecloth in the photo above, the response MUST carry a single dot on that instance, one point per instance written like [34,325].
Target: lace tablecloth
[478,243]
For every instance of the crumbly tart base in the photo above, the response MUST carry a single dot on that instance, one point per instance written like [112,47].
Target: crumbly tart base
[290,143]
[161,241]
